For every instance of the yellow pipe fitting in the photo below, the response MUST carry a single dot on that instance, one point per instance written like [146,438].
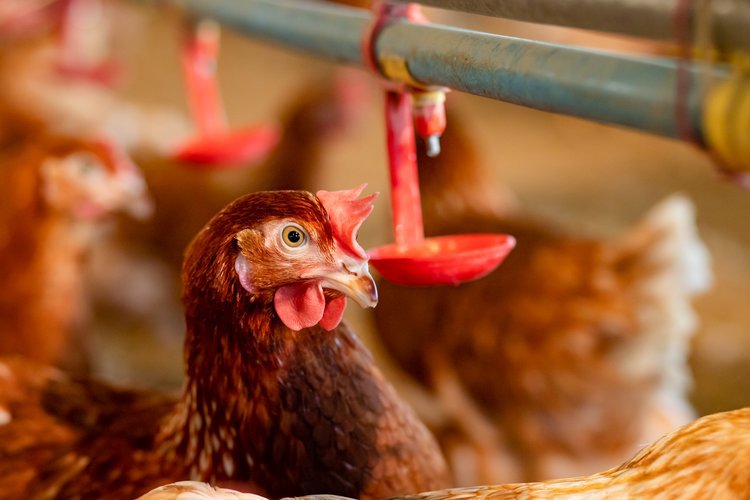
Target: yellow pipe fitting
[726,122]
[395,68]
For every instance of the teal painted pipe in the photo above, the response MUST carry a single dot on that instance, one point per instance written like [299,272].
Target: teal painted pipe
[320,29]
[635,92]
[655,19]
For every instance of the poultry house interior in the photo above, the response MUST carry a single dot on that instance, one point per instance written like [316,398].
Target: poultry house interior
[602,199]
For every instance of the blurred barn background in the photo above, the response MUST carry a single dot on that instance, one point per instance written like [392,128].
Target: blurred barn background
[588,177]
[585,177]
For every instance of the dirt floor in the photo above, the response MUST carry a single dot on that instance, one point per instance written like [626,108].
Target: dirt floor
[587,176]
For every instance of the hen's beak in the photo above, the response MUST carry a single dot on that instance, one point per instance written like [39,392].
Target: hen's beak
[353,280]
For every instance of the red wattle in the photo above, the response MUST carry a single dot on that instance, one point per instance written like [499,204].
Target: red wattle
[304,305]
[301,305]
[334,313]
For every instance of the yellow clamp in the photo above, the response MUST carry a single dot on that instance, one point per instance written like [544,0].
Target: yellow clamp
[726,121]
[395,68]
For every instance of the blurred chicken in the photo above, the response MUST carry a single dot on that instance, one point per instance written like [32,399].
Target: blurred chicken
[57,192]
[43,113]
[565,360]
[709,458]
[322,113]
[280,398]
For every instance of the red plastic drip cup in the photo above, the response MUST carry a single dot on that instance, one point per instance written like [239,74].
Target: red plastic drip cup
[215,146]
[412,259]
[442,260]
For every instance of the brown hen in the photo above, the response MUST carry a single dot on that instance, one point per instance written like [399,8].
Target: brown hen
[279,397]
[56,193]
[322,113]
[565,360]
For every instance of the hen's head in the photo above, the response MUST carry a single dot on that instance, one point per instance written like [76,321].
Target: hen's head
[291,250]
[91,178]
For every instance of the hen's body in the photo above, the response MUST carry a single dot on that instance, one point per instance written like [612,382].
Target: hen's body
[566,359]
[321,419]
[46,178]
[52,434]
[40,252]
[278,411]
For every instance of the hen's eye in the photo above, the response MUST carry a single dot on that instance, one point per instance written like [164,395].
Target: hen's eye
[86,164]
[294,236]
[86,167]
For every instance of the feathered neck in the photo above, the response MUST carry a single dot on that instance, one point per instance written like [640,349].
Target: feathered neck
[235,346]
[229,349]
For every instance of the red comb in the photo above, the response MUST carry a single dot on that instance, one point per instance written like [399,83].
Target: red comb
[347,213]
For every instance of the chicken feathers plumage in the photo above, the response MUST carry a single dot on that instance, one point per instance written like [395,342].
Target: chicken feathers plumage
[283,412]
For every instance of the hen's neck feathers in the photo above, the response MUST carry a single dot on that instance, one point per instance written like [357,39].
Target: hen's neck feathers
[223,343]
[243,366]
[229,347]
[236,349]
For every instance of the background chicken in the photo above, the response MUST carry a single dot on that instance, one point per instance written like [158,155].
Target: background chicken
[63,142]
[324,112]
[57,192]
[572,337]
[278,396]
